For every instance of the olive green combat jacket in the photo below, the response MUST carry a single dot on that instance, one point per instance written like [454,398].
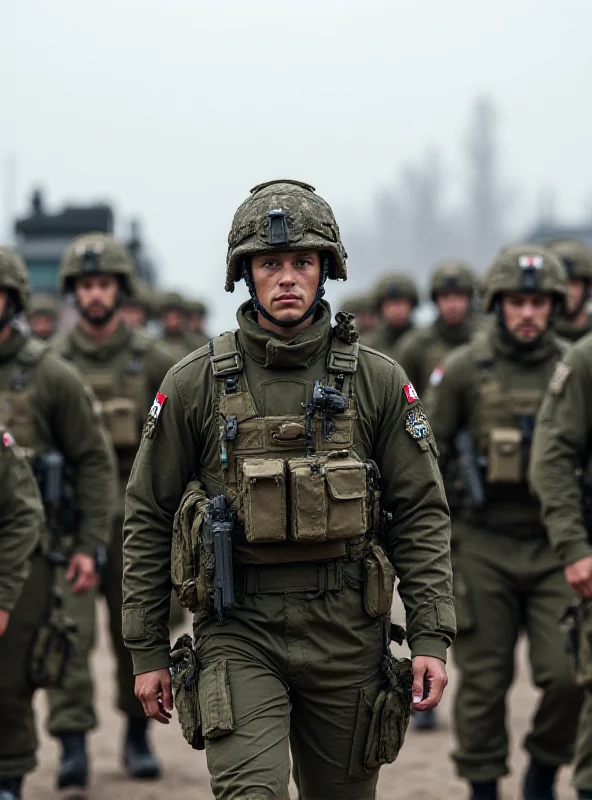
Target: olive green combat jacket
[567,330]
[562,446]
[391,429]
[421,350]
[47,407]
[21,520]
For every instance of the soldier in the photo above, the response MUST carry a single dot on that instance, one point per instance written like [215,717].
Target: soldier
[23,594]
[42,315]
[363,307]
[136,306]
[395,297]
[507,578]
[575,321]
[45,403]
[174,328]
[301,655]
[451,290]
[196,313]
[124,366]
[560,454]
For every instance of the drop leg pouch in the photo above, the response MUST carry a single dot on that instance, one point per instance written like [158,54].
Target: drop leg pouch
[184,674]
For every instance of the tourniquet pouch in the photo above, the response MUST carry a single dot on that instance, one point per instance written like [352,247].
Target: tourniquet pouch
[505,456]
[264,499]
[328,498]
[577,625]
[53,647]
[122,421]
[185,548]
[379,581]
[390,713]
[184,675]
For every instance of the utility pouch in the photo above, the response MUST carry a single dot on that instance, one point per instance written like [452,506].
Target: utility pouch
[379,581]
[577,625]
[184,675]
[264,500]
[390,713]
[53,647]
[505,456]
[122,420]
[17,415]
[187,562]
[309,499]
[347,506]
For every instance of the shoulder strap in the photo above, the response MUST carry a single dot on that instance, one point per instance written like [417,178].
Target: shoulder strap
[32,352]
[342,363]
[226,360]
[483,355]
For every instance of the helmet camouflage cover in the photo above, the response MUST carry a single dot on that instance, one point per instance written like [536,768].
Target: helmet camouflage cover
[395,286]
[14,276]
[575,256]
[525,268]
[283,215]
[44,303]
[172,301]
[96,254]
[452,275]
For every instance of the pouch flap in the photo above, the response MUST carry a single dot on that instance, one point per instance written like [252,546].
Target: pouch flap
[506,440]
[346,479]
[255,469]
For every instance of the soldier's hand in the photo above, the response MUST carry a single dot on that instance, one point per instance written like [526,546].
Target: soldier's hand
[81,573]
[432,670]
[4,618]
[579,576]
[153,690]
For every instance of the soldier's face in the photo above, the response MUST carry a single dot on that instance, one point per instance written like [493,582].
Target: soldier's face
[42,325]
[527,315]
[195,323]
[575,294]
[453,307]
[135,316]
[286,282]
[396,312]
[173,320]
[97,297]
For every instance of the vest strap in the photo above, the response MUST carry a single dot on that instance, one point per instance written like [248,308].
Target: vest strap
[225,357]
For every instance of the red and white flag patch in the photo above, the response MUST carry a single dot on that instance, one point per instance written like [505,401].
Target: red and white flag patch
[530,261]
[7,439]
[410,393]
[157,405]
[436,376]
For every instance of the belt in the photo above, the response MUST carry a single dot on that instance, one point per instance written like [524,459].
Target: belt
[325,577]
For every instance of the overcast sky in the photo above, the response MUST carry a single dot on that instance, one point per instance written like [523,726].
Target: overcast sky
[173,109]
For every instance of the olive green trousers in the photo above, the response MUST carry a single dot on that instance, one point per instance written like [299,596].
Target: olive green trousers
[18,740]
[504,586]
[297,666]
[582,768]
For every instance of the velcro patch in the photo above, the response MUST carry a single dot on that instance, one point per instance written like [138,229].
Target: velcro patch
[410,393]
[416,424]
[154,415]
[559,377]
[530,261]
[436,376]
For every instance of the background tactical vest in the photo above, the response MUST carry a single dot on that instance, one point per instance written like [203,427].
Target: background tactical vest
[295,481]
[16,399]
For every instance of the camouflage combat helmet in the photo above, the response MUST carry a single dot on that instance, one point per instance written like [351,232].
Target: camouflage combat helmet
[283,215]
[96,253]
[14,276]
[395,286]
[197,307]
[44,303]
[172,301]
[525,268]
[575,256]
[452,275]
[358,304]
[141,294]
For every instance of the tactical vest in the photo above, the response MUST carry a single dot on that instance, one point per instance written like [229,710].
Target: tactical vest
[16,402]
[299,488]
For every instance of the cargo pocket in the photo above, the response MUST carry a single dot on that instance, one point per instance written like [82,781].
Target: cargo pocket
[379,581]
[357,770]
[215,703]
[346,487]
[309,500]
[505,456]
[122,420]
[465,619]
[264,493]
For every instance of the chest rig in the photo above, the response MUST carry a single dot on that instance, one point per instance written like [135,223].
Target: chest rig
[506,418]
[292,479]
[17,398]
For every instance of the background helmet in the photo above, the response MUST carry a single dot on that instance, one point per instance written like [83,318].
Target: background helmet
[525,268]
[14,277]
[452,275]
[96,254]
[395,286]
[283,215]
[575,256]
[172,301]
[196,307]
[44,303]
[358,304]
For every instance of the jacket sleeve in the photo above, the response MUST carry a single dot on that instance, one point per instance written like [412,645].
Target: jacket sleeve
[418,537]
[561,443]
[21,522]
[163,467]
[81,437]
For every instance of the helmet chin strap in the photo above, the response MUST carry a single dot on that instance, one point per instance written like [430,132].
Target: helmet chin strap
[9,311]
[282,323]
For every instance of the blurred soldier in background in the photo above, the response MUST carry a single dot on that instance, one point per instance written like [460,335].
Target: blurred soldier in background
[576,320]
[45,403]
[561,474]
[173,317]
[42,315]
[395,297]
[507,577]
[452,288]
[363,307]
[124,366]
[196,313]
[136,307]
[24,594]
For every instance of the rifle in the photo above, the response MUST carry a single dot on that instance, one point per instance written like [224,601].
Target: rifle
[218,528]
[469,468]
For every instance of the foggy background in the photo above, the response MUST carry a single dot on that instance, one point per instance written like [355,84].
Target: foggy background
[435,128]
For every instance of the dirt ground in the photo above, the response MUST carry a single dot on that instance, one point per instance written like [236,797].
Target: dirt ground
[423,771]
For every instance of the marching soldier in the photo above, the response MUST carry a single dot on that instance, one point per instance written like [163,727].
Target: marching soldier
[395,297]
[196,314]
[42,315]
[178,340]
[576,257]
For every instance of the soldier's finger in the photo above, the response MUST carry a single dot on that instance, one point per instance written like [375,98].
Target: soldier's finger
[167,694]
